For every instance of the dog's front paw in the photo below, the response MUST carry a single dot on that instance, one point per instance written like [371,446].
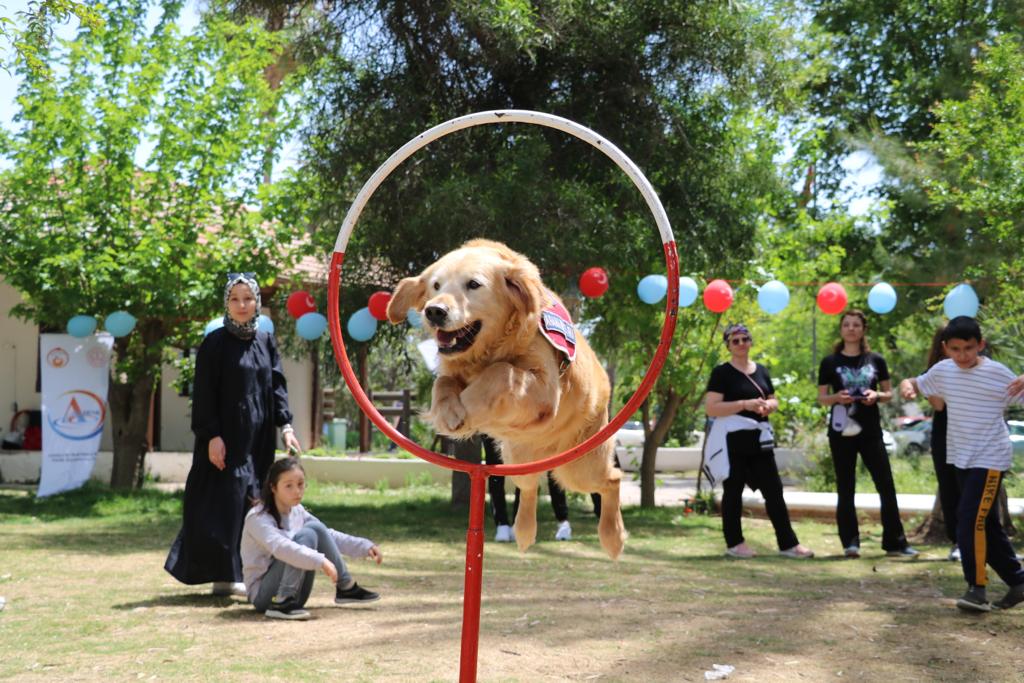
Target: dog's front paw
[448,416]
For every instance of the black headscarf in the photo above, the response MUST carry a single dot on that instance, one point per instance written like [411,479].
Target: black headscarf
[245,330]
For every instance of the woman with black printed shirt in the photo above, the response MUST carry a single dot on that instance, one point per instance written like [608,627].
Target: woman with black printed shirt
[853,381]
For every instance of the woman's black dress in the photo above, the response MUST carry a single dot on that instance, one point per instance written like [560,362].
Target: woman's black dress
[240,395]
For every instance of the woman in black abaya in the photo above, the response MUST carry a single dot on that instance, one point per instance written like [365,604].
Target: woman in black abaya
[239,399]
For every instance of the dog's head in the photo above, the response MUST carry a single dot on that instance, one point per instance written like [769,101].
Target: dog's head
[473,298]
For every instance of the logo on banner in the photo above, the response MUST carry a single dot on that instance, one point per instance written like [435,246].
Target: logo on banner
[80,415]
[57,357]
[97,356]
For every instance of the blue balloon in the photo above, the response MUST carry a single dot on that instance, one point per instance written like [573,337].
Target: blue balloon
[688,291]
[882,298]
[119,323]
[772,297]
[362,325]
[82,326]
[412,316]
[961,300]
[265,324]
[311,326]
[652,288]
[214,324]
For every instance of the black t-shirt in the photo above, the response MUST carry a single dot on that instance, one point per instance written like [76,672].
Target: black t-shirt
[734,385]
[856,374]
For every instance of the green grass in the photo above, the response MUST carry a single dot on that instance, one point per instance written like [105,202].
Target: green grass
[910,474]
[88,599]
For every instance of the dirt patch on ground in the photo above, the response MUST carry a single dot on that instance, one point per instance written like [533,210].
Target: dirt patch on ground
[89,600]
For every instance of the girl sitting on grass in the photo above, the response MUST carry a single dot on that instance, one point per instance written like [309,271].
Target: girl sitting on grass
[283,545]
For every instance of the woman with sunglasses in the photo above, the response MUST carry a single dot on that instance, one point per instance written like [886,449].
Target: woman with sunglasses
[740,397]
[853,381]
[239,400]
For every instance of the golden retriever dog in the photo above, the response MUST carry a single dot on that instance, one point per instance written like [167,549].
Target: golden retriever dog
[501,375]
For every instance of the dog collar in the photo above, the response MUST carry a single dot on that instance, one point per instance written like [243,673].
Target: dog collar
[557,328]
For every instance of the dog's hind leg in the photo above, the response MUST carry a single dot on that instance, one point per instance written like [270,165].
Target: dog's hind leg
[611,529]
[526,518]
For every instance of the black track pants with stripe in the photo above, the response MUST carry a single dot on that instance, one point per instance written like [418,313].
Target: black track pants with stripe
[981,537]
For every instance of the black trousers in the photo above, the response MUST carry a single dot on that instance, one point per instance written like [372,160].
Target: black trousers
[949,488]
[980,535]
[749,465]
[844,458]
[496,489]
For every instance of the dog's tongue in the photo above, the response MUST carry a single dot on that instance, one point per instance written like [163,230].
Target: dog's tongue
[445,338]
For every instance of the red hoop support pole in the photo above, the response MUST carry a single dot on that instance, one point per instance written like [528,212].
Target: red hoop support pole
[479,472]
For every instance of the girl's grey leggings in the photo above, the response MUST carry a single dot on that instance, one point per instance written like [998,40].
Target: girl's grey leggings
[285,581]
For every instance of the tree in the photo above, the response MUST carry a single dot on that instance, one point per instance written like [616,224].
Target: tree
[135,167]
[691,91]
[32,40]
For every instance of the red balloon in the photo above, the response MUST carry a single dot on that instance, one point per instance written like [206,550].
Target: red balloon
[300,303]
[832,298]
[379,305]
[594,282]
[718,296]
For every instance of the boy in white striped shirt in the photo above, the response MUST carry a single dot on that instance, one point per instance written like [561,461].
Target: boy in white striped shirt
[976,391]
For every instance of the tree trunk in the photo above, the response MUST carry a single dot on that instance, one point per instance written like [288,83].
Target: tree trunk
[933,528]
[130,402]
[654,437]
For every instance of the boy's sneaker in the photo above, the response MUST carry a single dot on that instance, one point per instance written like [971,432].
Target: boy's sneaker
[974,600]
[354,594]
[954,554]
[504,534]
[1014,596]
[564,532]
[741,551]
[288,608]
[903,552]
[852,551]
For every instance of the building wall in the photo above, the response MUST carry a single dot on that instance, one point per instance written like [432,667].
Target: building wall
[19,350]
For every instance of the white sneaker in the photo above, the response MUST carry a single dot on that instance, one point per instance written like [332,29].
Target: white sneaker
[504,534]
[564,532]
[229,588]
[954,554]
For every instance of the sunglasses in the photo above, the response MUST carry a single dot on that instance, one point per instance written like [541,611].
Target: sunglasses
[235,276]
[736,341]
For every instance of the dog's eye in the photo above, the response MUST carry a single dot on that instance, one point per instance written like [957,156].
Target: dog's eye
[473,284]
[437,286]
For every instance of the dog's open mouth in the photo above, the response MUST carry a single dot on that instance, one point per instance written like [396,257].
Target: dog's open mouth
[456,341]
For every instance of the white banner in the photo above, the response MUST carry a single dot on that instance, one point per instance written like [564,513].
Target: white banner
[75,375]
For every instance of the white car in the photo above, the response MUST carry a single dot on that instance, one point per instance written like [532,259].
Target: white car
[889,443]
[915,439]
[1016,428]
[630,434]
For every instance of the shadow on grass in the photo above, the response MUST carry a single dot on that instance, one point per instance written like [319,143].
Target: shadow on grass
[198,600]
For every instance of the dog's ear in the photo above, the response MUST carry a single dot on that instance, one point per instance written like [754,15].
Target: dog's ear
[525,288]
[409,293]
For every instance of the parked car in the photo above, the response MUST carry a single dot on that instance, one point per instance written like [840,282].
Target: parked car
[889,443]
[630,434]
[1016,435]
[915,439]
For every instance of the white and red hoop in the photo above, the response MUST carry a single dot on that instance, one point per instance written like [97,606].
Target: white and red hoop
[421,141]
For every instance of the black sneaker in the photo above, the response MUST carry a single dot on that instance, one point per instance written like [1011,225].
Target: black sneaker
[903,552]
[354,594]
[1014,596]
[974,600]
[288,608]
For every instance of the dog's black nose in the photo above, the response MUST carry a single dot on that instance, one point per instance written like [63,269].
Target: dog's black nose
[436,315]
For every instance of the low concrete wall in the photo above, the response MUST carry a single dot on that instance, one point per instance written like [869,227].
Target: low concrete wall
[22,467]
[688,459]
